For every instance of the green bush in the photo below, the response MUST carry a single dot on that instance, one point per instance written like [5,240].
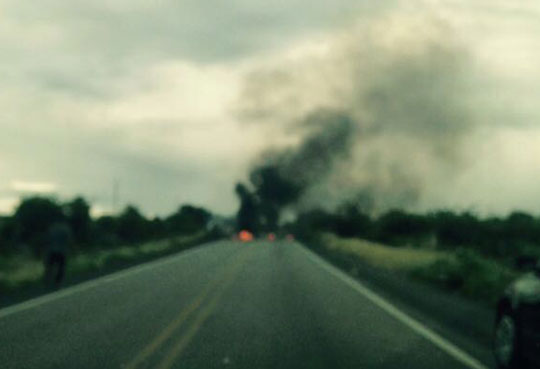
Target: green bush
[468,273]
[19,271]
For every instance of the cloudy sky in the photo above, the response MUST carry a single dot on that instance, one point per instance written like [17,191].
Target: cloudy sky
[174,100]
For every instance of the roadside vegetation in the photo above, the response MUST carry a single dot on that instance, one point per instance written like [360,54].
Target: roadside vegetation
[403,259]
[19,271]
[98,245]
[457,252]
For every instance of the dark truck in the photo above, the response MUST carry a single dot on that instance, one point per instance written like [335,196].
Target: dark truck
[517,326]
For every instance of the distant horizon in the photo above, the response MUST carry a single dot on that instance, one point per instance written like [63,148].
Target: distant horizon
[121,208]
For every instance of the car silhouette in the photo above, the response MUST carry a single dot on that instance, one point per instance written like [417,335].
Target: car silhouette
[516,342]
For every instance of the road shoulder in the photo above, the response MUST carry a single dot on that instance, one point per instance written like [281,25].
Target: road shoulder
[465,323]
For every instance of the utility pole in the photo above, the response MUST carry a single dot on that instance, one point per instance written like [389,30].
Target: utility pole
[115,196]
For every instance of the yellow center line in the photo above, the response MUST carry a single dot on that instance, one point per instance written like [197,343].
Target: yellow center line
[202,316]
[180,319]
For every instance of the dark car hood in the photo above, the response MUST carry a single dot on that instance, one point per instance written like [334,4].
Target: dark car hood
[525,289]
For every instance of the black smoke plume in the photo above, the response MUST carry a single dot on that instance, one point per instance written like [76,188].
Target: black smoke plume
[381,120]
[283,177]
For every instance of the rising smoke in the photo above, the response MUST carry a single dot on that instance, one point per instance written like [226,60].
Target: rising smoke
[379,115]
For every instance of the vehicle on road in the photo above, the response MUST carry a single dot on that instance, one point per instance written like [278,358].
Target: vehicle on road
[516,342]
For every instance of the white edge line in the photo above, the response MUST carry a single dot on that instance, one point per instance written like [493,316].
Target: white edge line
[108,278]
[413,324]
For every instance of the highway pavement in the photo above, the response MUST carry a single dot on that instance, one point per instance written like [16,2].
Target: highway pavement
[223,305]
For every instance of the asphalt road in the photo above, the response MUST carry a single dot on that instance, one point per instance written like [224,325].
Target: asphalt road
[222,305]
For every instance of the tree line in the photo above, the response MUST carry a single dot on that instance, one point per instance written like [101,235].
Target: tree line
[26,229]
[514,235]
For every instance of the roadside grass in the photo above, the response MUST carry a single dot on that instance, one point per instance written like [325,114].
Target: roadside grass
[461,271]
[19,271]
[404,259]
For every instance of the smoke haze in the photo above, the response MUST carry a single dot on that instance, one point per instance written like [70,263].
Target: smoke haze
[375,116]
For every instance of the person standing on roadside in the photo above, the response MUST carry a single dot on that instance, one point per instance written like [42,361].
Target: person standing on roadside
[55,261]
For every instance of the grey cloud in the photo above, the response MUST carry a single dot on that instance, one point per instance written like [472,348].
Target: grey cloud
[202,31]
[96,43]
[88,162]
